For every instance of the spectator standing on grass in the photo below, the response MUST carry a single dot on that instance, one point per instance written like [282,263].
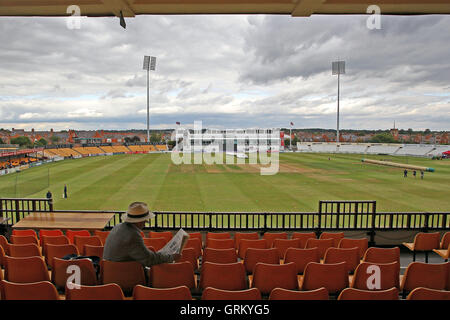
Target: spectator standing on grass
[414,173]
[421,174]
[405,173]
[65,191]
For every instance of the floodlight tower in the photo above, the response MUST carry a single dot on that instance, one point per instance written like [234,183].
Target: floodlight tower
[338,68]
[149,64]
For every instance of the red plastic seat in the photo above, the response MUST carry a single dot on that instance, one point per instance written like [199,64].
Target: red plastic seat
[55,240]
[254,256]
[176,293]
[81,241]
[229,276]
[424,242]
[303,237]
[428,294]
[333,277]
[301,257]
[72,233]
[362,245]
[248,243]
[271,236]
[62,270]
[366,275]
[238,236]
[103,235]
[109,291]
[357,294]
[26,232]
[321,244]
[283,244]
[220,244]
[382,255]
[267,277]
[195,244]
[24,250]
[350,256]
[125,274]
[168,275]
[336,236]
[42,290]
[59,251]
[156,243]
[4,244]
[24,240]
[96,251]
[219,294]
[25,270]
[217,235]
[51,232]
[431,276]
[161,234]
[220,255]
[284,294]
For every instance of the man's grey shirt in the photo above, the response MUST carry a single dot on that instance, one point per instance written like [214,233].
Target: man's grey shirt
[125,243]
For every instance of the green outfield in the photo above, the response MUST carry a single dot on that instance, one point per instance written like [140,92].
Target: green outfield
[112,182]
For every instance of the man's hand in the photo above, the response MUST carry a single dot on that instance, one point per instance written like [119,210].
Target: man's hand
[176,257]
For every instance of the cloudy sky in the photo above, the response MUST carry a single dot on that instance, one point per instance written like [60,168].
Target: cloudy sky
[230,71]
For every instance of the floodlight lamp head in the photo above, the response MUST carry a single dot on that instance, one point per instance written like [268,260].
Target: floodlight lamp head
[338,67]
[149,63]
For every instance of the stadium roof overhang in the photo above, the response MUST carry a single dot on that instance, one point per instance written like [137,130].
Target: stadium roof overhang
[295,8]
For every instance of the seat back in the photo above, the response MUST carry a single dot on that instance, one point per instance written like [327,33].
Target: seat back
[382,255]
[303,237]
[427,241]
[376,276]
[51,232]
[26,232]
[227,276]
[357,294]
[72,233]
[156,243]
[362,245]
[284,294]
[23,239]
[238,236]
[195,244]
[24,250]
[4,244]
[42,290]
[336,236]
[267,277]
[248,243]
[283,244]
[301,257]
[218,294]
[428,294]
[59,251]
[220,243]
[125,274]
[45,240]
[254,256]
[63,269]
[321,244]
[220,255]
[81,241]
[217,235]
[445,242]
[161,234]
[427,275]
[176,293]
[271,236]
[96,251]
[189,255]
[103,235]
[333,277]
[25,270]
[109,291]
[350,256]
[196,235]
[168,275]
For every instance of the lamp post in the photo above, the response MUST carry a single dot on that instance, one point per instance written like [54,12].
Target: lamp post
[338,68]
[149,64]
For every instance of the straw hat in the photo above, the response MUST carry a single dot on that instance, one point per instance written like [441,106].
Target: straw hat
[137,212]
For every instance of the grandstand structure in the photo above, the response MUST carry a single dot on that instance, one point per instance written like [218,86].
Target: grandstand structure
[414,150]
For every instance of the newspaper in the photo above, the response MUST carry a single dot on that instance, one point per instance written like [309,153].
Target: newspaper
[176,244]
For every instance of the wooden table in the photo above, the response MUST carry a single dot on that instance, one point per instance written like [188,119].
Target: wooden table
[65,220]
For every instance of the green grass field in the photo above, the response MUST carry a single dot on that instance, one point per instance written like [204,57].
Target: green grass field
[112,182]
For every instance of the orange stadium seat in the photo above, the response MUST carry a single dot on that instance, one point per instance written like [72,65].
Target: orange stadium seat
[229,276]
[42,290]
[431,276]
[220,244]
[175,293]
[103,235]
[301,257]
[25,270]
[156,243]
[27,232]
[4,244]
[238,236]
[357,294]
[72,233]
[267,277]
[219,294]
[284,294]
[195,244]
[169,275]
[90,250]
[24,250]
[362,245]
[333,277]
[125,274]
[336,236]
[424,242]
[271,236]
[254,256]
[382,255]
[189,255]
[428,294]
[23,240]
[389,276]
[56,240]
[321,244]
[81,241]
[58,251]
[60,272]
[220,255]
[283,244]
[162,234]
[54,232]
[217,235]
[350,256]
[248,243]
[109,291]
